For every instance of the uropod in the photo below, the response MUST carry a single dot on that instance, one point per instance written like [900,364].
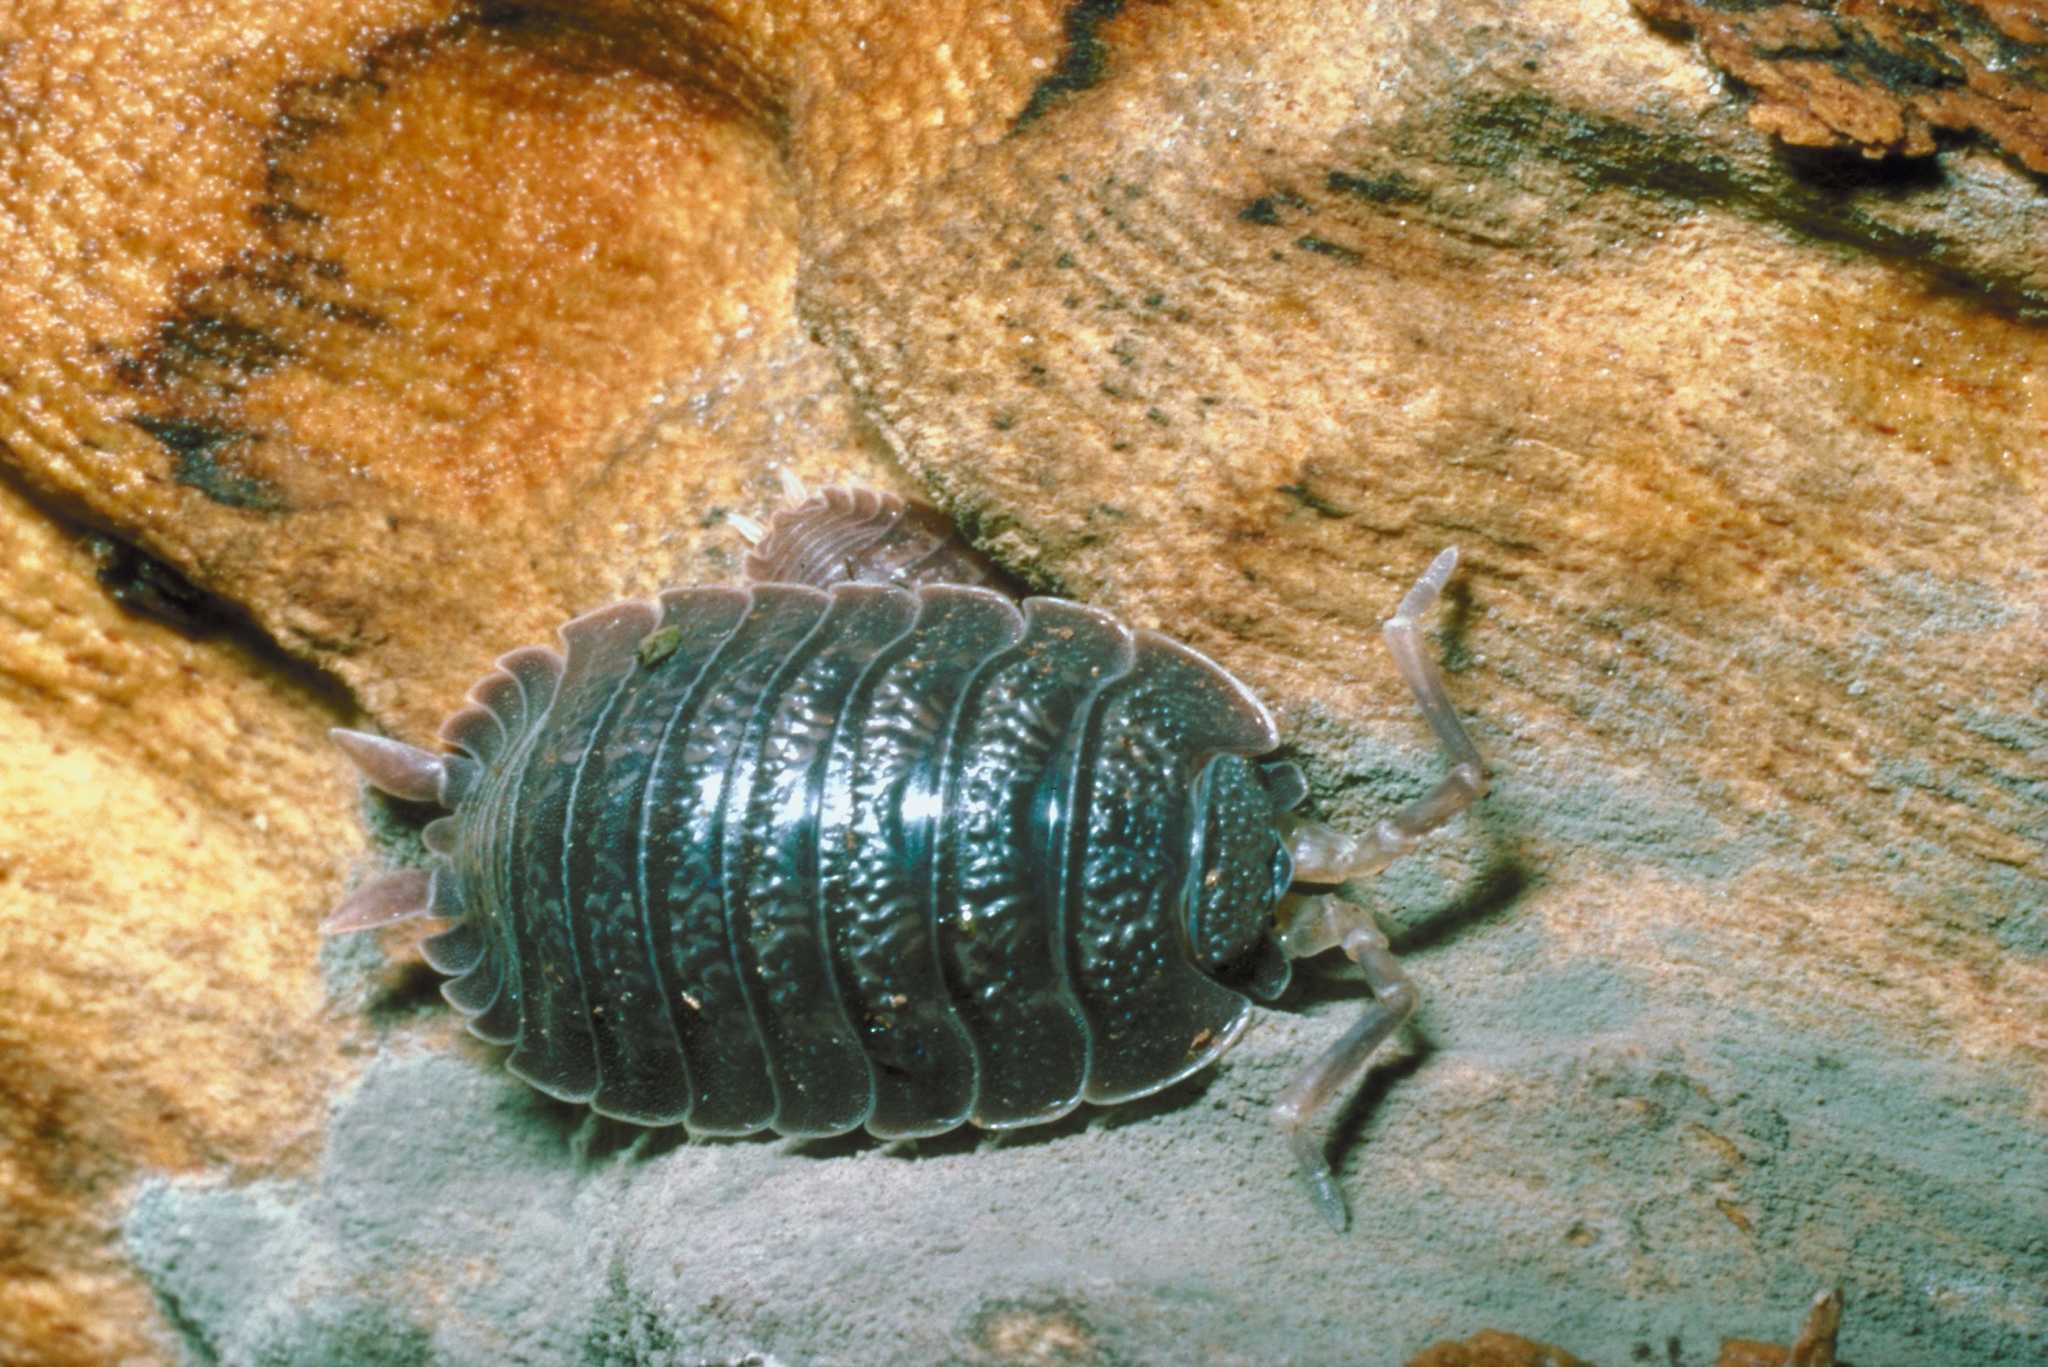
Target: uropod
[868,842]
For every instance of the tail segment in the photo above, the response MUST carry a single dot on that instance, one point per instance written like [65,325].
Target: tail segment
[383,901]
[404,771]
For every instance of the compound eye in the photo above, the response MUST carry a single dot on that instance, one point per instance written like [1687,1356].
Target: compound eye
[1283,870]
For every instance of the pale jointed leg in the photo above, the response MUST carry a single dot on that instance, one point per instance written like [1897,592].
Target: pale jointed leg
[1325,855]
[1310,925]
[1321,922]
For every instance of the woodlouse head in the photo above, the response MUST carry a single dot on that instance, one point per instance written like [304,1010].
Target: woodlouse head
[1238,869]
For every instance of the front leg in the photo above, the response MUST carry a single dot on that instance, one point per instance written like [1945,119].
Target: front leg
[1325,855]
[1310,925]
[1322,921]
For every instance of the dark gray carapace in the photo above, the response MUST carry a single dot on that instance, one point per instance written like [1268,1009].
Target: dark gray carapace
[816,856]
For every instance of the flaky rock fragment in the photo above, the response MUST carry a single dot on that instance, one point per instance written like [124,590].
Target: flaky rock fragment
[1495,1348]
[1882,78]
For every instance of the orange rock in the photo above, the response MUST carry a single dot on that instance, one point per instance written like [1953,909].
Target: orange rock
[1495,1348]
[168,831]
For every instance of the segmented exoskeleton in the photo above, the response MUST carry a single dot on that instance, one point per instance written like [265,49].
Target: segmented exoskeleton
[858,844]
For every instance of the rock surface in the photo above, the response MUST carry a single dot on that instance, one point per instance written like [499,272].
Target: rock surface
[395,333]
[168,825]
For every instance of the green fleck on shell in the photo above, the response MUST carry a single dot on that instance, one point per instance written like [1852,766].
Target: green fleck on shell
[657,646]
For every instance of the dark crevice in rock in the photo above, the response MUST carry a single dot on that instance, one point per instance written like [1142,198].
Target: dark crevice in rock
[1315,502]
[191,1332]
[1819,193]
[1083,60]
[155,588]
[1843,173]
[149,587]
[1264,212]
[1393,188]
[1336,251]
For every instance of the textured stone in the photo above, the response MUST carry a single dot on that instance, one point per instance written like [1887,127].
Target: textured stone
[424,385]
[168,828]
[410,334]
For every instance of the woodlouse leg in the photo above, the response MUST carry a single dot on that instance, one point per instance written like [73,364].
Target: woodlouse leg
[795,494]
[1314,924]
[1310,925]
[1324,855]
[1466,782]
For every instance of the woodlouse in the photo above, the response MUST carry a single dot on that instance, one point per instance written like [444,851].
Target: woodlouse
[862,844]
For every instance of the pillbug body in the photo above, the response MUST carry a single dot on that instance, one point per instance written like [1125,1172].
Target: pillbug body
[820,853]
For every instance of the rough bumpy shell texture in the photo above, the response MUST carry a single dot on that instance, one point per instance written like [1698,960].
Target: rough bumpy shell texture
[898,858]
